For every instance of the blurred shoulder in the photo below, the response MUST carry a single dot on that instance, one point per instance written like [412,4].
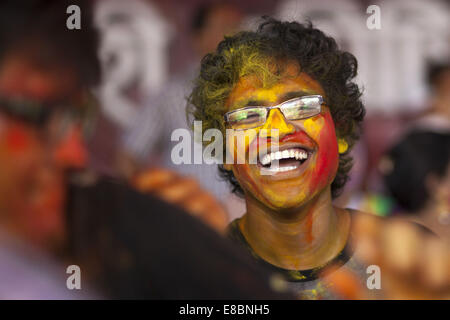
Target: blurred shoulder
[368,222]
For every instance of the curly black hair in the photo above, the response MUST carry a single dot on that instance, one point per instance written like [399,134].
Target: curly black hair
[316,54]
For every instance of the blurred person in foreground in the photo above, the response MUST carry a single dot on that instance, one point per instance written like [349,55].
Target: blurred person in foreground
[417,174]
[55,213]
[146,144]
[288,87]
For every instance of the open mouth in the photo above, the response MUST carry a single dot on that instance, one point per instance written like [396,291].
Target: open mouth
[285,160]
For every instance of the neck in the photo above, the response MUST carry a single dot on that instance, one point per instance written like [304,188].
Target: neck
[298,239]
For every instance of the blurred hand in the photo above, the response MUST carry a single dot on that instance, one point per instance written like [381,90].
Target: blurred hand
[184,192]
[413,263]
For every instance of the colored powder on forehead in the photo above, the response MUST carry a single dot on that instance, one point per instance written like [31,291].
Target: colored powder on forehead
[267,71]
[267,95]
[270,95]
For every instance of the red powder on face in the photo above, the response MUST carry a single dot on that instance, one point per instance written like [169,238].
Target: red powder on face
[17,139]
[71,152]
[300,137]
[327,157]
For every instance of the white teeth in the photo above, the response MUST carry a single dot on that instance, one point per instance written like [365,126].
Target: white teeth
[285,154]
[272,156]
[299,155]
[270,171]
[266,159]
[281,169]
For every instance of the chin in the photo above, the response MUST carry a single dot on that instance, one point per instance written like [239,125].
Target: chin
[282,203]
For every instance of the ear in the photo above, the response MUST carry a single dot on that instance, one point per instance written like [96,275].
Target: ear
[342,145]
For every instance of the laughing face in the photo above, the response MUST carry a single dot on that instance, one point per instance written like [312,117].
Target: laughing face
[301,157]
[34,157]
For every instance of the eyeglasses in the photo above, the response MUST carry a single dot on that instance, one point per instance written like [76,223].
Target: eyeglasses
[294,109]
[44,116]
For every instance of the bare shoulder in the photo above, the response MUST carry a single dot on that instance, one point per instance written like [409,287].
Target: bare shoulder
[357,216]
[368,222]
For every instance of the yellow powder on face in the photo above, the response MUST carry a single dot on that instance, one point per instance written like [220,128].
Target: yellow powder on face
[279,200]
[313,126]
[277,125]
[239,141]
[275,198]
[267,95]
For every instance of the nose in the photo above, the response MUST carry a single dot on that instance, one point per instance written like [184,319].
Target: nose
[276,120]
[71,152]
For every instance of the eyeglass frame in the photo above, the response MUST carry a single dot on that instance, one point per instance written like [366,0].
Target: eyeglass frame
[268,108]
[39,114]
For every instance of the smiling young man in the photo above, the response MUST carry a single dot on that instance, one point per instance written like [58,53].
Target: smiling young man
[288,88]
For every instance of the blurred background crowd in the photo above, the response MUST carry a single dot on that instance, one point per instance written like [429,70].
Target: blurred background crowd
[149,53]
